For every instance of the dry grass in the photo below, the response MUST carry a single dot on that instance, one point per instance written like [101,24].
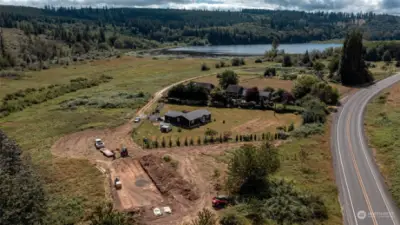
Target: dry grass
[314,174]
[75,186]
[382,127]
[237,121]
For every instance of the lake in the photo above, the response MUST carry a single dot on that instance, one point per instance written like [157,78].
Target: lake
[254,49]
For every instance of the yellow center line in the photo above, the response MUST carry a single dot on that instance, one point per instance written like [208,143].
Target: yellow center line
[358,171]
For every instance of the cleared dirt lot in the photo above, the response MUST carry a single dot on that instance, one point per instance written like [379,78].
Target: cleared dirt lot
[137,188]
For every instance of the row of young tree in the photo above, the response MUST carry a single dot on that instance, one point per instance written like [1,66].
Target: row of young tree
[214,138]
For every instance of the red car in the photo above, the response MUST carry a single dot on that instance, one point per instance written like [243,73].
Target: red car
[221,201]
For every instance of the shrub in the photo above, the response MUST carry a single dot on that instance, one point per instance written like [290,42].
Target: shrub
[178,142]
[198,141]
[222,64]
[287,61]
[232,219]
[186,142]
[308,129]
[167,158]
[303,84]
[191,141]
[398,64]
[270,72]
[204,67]
[291,127]
[258,61]
[238,62]
[170,143]
[314,112]
[217,66]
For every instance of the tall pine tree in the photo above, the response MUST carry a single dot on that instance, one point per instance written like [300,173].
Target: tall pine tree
[352,69]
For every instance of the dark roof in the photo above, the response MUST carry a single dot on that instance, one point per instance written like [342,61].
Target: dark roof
[234,88]
[196,114]
[208,86]
[265,94]
[173,113]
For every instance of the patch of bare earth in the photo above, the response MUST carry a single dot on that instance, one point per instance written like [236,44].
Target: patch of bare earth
[137,189]
[80,145]
[255,125]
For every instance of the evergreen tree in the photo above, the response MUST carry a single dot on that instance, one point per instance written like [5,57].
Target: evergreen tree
[352,69]
[22,199]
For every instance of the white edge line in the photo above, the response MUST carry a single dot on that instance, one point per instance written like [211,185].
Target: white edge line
[341,162]
[364,104]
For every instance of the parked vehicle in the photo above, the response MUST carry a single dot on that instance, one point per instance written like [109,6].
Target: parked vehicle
[98,143]
[221,201]
[117,183]
[137,120]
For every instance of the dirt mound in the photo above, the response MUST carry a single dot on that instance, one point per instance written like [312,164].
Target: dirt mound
[166,178]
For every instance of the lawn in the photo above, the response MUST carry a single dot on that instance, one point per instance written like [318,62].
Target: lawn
[382,126]
[237,121]
[74,187]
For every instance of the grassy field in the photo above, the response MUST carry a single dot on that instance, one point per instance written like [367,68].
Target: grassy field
[381,70]
[75,186]
[313,174]
[382,126]
[237,121]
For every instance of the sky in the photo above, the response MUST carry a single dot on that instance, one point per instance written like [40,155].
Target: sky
[378,6]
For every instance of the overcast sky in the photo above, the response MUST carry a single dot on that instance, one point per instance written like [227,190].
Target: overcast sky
[379,6]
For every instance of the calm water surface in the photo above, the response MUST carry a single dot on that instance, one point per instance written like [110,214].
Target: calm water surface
[254,49]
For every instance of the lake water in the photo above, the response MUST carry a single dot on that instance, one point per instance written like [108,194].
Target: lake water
[254,49]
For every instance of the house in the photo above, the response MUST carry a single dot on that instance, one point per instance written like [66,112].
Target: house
[234,91]
[207,86]
[191,119]
[265,96]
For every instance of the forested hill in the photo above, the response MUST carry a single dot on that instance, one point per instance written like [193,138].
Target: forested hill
[35,37]
[199,27]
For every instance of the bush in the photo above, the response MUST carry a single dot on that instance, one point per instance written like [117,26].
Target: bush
[270,72]
[303,84]
[314,112]
[232,219]
[308,129]
[291,127]
[398,64]
[258,61]
[217,66]
[238,62]
[204,67]
[287,61]
[167,158]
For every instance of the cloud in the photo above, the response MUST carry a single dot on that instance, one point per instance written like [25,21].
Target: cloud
[307,5]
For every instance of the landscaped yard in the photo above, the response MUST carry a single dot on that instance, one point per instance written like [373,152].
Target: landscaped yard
[237,121]
[382,127]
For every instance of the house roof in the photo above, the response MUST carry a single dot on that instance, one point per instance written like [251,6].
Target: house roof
[208,86]
[196,114]
[234,88]
[265,94]
[173,113]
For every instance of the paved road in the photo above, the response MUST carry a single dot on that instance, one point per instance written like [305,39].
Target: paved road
[363,193]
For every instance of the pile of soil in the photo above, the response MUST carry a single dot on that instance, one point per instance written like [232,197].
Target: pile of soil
[167,179]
